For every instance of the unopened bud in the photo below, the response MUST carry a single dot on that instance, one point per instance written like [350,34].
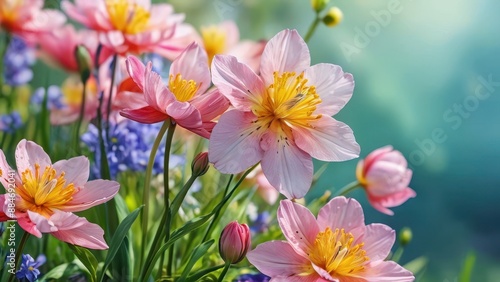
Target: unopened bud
[333,17]
[405,236]
[234,242]
[84,62]
[319,5]
[200,164]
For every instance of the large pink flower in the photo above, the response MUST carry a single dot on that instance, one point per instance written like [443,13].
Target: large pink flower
[185,99]
[133,26]
[27,18]
[385,176]
[281,118]
[337,246]
[46,195]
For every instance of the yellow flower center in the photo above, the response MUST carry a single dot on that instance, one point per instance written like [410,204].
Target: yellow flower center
[127,17]
[72,89]
[214,40]
[183,90]
[335,253]
[287,102]
[43,192]
[9,13]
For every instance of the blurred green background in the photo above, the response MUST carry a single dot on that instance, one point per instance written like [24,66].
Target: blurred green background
[417,67]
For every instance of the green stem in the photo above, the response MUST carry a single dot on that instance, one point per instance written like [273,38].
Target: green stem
[397,254]
[224,271]
[349,188]
[19,252]
[3,51]
[312,28]
[147,183]
[80,118]
[108,106]
[166,189]
[209,230]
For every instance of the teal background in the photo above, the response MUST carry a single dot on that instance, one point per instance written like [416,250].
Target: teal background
[411,74]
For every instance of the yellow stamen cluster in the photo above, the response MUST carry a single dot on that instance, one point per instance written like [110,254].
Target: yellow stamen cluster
[287,102]
[43,192]
[9,12]
[214,40]
[127,17]
[334,252]
[184,90]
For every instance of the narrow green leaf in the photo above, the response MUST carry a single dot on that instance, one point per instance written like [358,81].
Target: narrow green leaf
[61,272]
[198,252]
[467,268]
[87,258]
[416,265]
[117,239]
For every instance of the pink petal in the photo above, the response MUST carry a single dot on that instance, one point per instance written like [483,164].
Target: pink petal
[4,171]
[386,178]
[392,200]
[192,64]
[92,194]
[327,140]
[185,114]
[78,231]
[45,225]
[211,104]
[234,145]
[286,166]
[333,86]
[76,170]
[387,271]
[236,81]
[342,212]
[285,52]
[146,114]
[324,274]
[309,278]
[373,156]
[278,258]
[27,225]
[249,53]
[74,13]
[28,154]
[156,93]
[298,225]
[136,70]
[5,212]
[378,241]
[231,31]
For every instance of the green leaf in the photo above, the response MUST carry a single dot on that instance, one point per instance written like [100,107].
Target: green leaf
[416,265]
[87,258]
[61,272]
[198,275]
[118,238]
[467,268]
[198,252]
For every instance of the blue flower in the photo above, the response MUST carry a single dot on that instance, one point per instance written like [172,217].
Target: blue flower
[54,98]
[28,271]
[9,123]
[259,277]
[18,60]
[261,223]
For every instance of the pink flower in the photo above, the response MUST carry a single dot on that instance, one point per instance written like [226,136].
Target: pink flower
[281,118]
[337,246]
[58,46]
[185,99]
[385,177]
[46,195]
[234,242]
[27,18]
[264,189]
[224,38]
[133,26]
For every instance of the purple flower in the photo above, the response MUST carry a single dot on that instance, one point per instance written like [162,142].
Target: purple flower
[18,60]
[9,123]
[261,223]
[258,277]
[54,98]
[28,271]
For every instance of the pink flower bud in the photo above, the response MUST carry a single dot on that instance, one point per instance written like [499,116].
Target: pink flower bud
[200,164]
[234,242]
[385,176]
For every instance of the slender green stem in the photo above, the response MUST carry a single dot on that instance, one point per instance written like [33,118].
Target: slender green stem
[19,252]
[349,188]
[166,190]
[224,271]
[209,230]
[312,28]
[110,96]
[147,183]
[80,118]
[3,51]
[397,254]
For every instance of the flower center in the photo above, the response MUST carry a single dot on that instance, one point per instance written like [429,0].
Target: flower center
[127,17]
[9,12]
[288,101]
[183,90]
[334,252]
[214,40]
[72,89]
[43,192]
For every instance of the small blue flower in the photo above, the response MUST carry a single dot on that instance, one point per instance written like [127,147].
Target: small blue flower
[261,223]
[259,277]
[18,59]
[9,123]
[28,271]
[54,98]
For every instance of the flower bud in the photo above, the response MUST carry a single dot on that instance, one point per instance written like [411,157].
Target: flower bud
[84,62]
[319,5]
[200,164]
[405,236]
[333,17]
[234,242]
